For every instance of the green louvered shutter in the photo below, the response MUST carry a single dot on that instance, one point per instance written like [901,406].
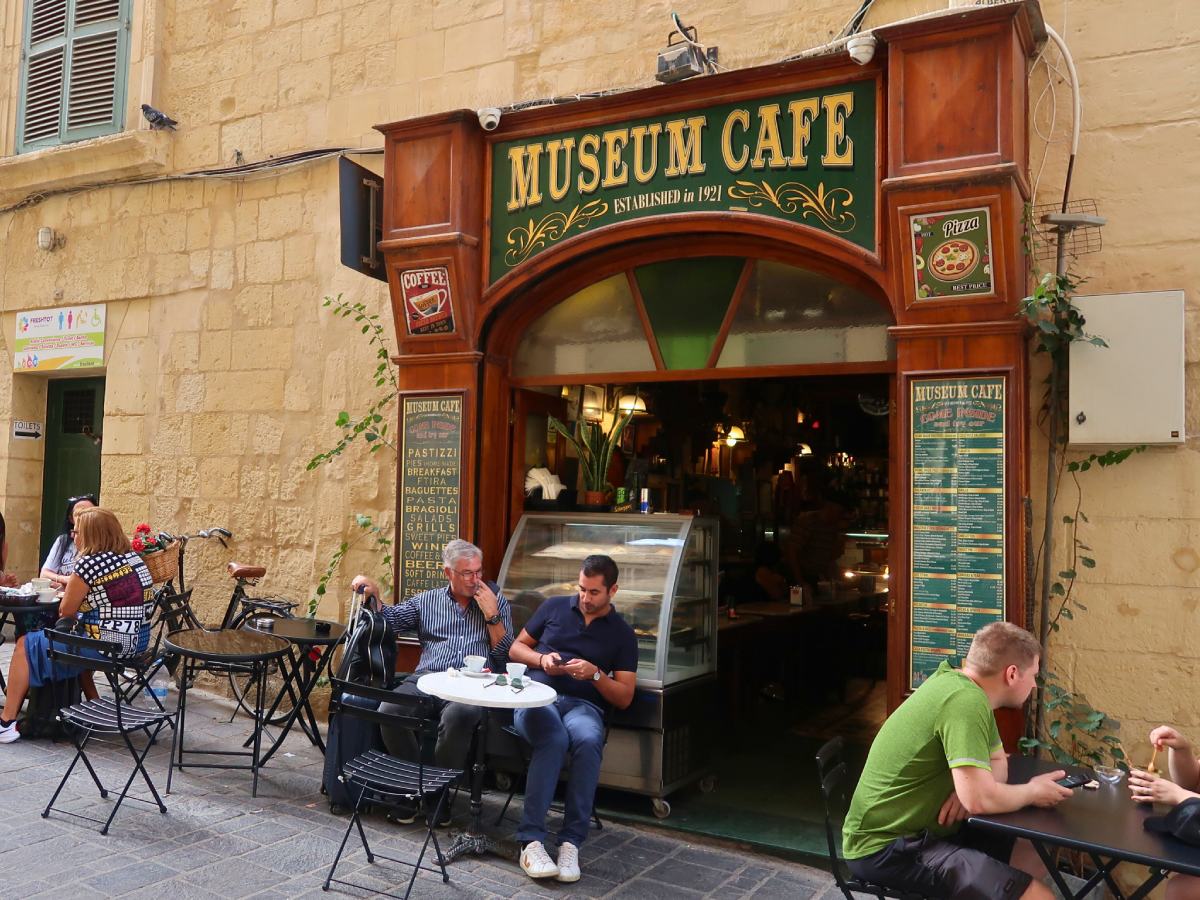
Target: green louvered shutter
[74,64]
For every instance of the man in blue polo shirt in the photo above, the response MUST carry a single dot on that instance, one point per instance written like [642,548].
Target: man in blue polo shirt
[581,647]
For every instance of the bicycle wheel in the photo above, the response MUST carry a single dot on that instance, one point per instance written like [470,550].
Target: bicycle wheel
[241,685]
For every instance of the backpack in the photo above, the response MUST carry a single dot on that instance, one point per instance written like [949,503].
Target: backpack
[370,654]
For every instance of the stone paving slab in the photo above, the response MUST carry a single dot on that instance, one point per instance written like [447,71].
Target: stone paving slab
[216,841]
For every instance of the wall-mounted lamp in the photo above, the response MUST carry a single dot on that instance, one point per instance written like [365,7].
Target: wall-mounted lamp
[735,434]
[804,450]
[48,239]
[634,402]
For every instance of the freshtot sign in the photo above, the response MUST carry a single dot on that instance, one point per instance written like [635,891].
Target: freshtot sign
[68,338]
[807,157]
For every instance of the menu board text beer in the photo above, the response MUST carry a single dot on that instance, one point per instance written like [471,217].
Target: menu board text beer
[956,530]
[430,477]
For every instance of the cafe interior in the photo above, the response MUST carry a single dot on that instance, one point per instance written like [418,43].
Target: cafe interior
[793,471]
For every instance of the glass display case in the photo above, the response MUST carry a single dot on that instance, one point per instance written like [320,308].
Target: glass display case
[667,585]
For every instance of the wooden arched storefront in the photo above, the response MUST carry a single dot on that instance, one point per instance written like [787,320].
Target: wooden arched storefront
[941,147]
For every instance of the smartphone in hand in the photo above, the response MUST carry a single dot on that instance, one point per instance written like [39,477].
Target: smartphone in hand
[1073,781]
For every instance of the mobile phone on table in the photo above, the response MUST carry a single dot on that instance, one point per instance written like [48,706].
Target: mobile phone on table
[1073,781]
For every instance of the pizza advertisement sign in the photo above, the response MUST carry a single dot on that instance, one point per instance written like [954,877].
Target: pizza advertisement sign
[952,254]
[427,304]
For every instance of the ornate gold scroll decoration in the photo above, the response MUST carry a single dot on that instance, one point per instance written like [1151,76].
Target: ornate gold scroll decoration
[830,208]
[525,239]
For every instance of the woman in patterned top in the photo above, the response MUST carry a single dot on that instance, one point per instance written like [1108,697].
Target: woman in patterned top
[110,592]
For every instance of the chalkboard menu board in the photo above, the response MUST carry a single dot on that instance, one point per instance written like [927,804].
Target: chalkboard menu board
[956,529]
[430,478]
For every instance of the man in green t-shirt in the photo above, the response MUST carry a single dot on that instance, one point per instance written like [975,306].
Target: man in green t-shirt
[936,760]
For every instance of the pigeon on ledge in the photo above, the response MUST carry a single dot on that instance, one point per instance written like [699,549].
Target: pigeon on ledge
[157,120]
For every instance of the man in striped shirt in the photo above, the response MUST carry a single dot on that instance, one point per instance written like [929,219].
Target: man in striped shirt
[467,617]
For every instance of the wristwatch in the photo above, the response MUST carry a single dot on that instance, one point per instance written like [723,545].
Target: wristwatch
[596,675]
[494,620]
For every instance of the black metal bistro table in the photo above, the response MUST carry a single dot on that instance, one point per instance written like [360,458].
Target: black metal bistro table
[303,637]
[196,647]
[1104,824]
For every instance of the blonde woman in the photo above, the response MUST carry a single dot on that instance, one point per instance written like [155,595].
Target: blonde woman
[110,592]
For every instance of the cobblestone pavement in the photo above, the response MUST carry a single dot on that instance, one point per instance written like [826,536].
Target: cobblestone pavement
[218,841]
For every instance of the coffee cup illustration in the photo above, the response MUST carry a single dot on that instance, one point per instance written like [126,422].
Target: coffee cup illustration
[429,302]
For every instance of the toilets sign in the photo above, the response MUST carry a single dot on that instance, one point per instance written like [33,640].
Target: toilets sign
[71,337]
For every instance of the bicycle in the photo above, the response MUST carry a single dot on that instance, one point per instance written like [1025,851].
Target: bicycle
[241,608]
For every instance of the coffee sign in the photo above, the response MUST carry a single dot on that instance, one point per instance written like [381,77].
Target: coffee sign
[807,157]
[952,254]
[427,306]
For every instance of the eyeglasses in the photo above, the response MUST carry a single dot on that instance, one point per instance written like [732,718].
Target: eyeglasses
[90,498]
[468,573]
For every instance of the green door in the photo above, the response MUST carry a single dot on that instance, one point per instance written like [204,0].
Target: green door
[74,423]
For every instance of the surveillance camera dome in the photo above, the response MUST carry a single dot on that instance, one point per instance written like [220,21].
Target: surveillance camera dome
[489,118]
[861,48]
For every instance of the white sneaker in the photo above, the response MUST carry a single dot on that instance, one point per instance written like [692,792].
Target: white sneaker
[9,734]
[537,862]
[568,862]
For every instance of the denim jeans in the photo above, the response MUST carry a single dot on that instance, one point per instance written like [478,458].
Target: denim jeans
[569,730]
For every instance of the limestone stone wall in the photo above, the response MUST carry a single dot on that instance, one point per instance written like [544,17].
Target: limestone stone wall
[224,373]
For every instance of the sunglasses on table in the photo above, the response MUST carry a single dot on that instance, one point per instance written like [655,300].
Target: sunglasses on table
[516,685]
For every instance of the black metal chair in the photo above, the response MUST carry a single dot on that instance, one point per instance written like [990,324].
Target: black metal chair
[103,716]
[834,777]
[385,782]
[141,668]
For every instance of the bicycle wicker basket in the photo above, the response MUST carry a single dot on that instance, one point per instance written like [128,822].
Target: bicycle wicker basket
[163,564]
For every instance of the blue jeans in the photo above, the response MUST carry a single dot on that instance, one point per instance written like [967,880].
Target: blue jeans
[572,730]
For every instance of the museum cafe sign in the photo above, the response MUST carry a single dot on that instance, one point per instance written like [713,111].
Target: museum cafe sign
[807,157]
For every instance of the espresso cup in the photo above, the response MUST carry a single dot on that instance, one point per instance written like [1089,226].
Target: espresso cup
[516,670]
[474,663]
[40,584]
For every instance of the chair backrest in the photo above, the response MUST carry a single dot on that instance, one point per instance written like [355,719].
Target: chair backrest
[175,612]
[834,777]
[422,728]
[67,648]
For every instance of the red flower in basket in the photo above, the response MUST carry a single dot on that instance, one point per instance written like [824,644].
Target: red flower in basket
[144,540]
[137,543]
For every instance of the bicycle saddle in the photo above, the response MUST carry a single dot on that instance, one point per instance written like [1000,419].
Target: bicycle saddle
[237,570]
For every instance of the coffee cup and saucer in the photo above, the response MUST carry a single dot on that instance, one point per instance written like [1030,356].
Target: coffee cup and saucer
[473,667]
[516,674]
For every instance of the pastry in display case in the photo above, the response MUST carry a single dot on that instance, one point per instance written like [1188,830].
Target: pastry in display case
[667,592]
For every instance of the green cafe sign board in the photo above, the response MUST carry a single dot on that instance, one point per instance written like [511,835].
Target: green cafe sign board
[806,157]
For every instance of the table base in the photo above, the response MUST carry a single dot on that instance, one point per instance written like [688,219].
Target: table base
[477,844]
[1103,874]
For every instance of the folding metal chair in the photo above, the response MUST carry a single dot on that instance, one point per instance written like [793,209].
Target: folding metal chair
[382,781]
[103,716]
[834,777]
[142,667]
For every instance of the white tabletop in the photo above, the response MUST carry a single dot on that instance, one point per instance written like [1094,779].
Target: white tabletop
[472,691]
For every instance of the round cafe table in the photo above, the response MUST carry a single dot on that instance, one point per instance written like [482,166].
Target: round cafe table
[304,635]
[197,647]
[486,694]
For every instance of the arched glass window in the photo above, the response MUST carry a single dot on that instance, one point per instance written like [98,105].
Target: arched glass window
[700,313]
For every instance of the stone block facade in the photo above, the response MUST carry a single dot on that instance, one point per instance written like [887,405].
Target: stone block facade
[225,373]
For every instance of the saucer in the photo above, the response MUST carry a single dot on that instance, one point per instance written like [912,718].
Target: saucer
[470,674]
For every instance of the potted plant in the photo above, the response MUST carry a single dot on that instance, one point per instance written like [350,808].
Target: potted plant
[595,451]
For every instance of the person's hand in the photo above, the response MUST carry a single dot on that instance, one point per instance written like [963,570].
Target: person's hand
[551,664]
[485,599]
[952,810]
[1147,788]
[368,588]
[1166,736]
[580,669]
[1046,792]
[8,579]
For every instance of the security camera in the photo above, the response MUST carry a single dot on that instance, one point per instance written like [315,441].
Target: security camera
[489,118]
[861,48]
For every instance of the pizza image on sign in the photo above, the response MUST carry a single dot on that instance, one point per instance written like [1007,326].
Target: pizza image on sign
[953,260]
[952,254]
